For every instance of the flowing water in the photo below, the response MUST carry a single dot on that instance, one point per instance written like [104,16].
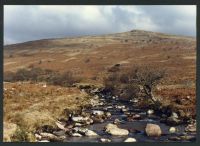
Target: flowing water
[136,128]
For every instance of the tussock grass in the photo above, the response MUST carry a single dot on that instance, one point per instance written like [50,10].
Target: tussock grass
[32,105]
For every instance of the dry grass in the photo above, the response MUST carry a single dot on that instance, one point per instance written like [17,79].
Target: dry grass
[26,101]
[180,98]
[32,105]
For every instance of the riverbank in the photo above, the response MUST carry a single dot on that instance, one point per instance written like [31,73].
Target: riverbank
[86,113]
[109,119]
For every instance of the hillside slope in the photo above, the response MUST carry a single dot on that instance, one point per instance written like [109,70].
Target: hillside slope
[92,56]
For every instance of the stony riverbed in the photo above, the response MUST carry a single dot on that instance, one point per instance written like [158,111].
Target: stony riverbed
[111,120]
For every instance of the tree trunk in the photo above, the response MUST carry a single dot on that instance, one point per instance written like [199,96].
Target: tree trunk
[149,93]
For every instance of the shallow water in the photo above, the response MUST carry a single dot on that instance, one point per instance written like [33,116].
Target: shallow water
[136,128]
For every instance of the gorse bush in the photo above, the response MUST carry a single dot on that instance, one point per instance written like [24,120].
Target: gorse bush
[41,75]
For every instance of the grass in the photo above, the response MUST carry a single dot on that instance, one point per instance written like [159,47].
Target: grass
[183,100]
[31,105]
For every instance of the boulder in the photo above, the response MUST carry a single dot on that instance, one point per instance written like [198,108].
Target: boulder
[173,121]
[90,133]
[89,121]
[153,130]
[84,131]
[96,97]
[113,97]
[124,110]
[82,120]
[78,124]
[109,107]
[134,117]
[94,102]
[97,119]
[38,137]
[108,114]
[174,115]
[76,135]
[80,130]
[172,129]
[105,140]
[44,141]
[150,112]
[116,121]
[49,136]
[135,100]
[99,113]
[114,130]
[61,126]
[78,119]
[130,140]
[120,106]
[191,127]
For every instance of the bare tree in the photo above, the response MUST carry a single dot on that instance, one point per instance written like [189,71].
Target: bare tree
[138,81]
[147,78]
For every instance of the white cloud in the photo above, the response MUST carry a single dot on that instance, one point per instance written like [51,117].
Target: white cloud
[24,23]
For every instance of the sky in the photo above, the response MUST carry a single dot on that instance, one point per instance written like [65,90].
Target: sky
[27,23]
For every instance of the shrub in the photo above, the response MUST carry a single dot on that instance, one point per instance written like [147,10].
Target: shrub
[111,82]
[31,66]
[38,74]
[22,75]
[10,56]
[66,79]
[35,73]
[9,76]
[137,81]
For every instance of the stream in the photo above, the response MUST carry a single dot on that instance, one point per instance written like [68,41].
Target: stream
[136,127]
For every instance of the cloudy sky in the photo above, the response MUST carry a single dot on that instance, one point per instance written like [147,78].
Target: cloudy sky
[25,23]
